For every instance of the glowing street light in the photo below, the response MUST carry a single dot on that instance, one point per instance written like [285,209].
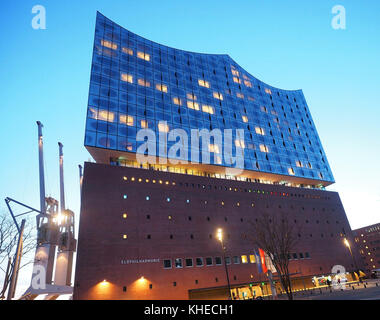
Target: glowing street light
[219,236]
[61,218]
[347,244]
[104,283]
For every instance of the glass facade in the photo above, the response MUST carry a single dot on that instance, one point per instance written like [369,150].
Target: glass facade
[136,83]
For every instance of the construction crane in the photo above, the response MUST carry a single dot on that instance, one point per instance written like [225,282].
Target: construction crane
[55,232]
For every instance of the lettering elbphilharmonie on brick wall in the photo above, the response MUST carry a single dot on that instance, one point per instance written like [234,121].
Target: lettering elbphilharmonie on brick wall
[138,84]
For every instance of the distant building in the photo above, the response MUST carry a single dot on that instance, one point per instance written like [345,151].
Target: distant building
[368,242]
[148,230]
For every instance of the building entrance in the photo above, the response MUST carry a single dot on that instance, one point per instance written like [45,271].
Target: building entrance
[247,292]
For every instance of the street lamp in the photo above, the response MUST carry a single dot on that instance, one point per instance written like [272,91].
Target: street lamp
[347,244]
[219,236]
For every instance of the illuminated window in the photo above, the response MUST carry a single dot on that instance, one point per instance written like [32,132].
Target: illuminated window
[213,148]
[240,143]
[177,101]
[234,72]
[106,116]
[143,82]
[268,91]
[299,164]
[144,124]
[291,171]
[244,259]
[240,95]
[245,119]
[162,127]
[248,83]
[193,105]
[109,44]
[127,77]
[260,131]
[93,113]
[237,80]
[218,96]
[125,236]
[127,51]
[125,216]
[191,96]
[203,83]
[143,56]
[252,258]
[161,87]
[126,119]
[264,148]
[208,109]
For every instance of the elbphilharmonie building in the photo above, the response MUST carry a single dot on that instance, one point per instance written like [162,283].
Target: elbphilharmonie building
[147,228]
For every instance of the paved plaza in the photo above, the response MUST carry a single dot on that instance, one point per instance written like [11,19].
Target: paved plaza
[368,290]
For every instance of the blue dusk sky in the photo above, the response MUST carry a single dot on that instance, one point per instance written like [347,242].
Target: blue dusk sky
[288,44]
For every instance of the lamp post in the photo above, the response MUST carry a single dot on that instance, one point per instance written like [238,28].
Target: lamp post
[219,236]
[347,244]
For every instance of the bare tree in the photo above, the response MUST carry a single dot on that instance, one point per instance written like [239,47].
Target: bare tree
[278,238]
[8,244]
